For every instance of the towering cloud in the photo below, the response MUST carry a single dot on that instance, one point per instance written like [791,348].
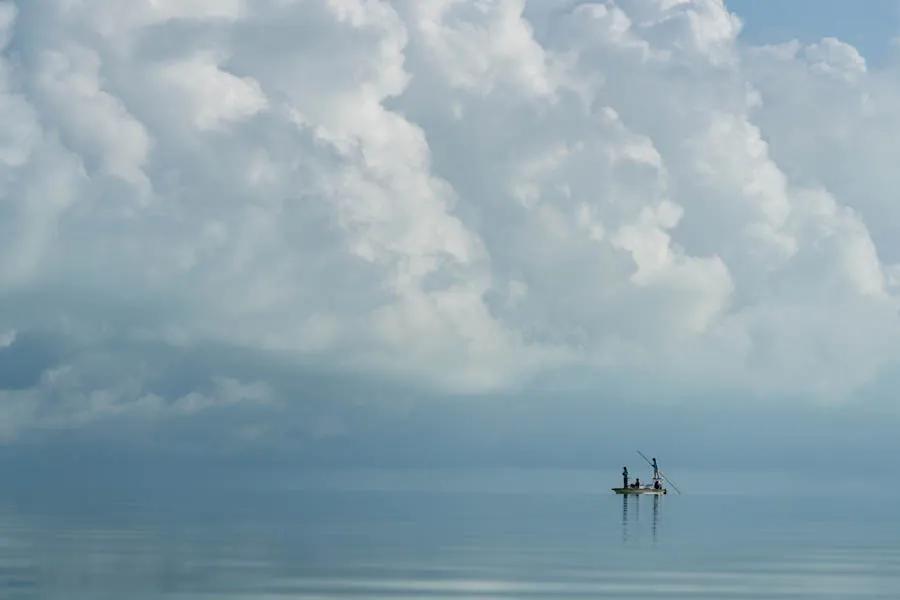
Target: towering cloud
[457,196]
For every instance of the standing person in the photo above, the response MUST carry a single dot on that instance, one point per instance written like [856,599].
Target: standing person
[655,469]
[624,477]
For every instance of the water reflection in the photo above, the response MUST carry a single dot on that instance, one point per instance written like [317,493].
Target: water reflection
[631,516]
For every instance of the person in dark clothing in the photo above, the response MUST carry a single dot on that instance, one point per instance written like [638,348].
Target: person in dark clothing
[655,469]
[624,477]
[637,483]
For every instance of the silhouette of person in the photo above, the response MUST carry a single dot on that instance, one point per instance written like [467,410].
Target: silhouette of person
[624,477]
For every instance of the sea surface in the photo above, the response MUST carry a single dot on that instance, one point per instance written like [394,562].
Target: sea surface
[445,534]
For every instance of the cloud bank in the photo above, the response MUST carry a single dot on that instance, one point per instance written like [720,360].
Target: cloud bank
[462,197]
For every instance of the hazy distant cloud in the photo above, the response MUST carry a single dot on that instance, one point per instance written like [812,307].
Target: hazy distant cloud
[7,339]
[457,196]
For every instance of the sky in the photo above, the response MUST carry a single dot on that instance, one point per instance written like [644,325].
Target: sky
[870,27]
[430,232]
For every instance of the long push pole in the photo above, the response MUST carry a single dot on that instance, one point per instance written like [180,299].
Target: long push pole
[661,474]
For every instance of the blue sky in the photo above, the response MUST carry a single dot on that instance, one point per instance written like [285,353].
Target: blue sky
[869,25]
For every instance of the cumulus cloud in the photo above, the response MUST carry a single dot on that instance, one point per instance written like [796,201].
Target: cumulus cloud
[461,196]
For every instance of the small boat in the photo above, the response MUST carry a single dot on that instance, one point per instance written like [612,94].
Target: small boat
[655,488]
[644,489]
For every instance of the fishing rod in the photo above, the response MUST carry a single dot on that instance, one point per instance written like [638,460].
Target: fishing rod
[661,474]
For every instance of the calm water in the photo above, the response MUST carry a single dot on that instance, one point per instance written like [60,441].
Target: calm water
[517,534]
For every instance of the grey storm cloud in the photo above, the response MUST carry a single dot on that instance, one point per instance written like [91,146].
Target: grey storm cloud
[455,197]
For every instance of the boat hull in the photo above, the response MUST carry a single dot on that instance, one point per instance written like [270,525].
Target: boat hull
[638,491]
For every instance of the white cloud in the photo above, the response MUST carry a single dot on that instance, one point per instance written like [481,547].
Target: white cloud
[464,195]
[480,45]
[211,96]
[68,88]
[835,58]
